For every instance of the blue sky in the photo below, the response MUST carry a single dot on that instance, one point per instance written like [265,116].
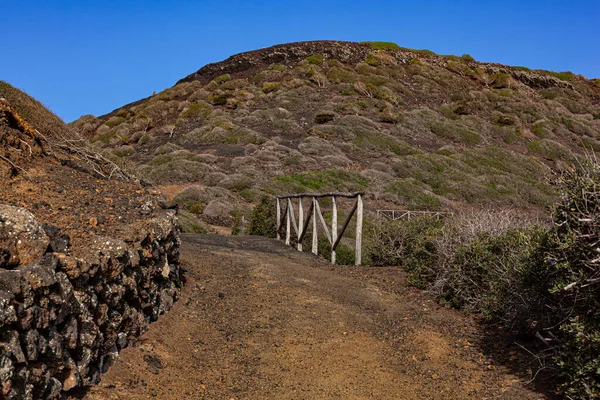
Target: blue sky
[90,57]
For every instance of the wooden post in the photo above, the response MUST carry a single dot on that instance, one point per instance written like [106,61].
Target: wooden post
[288,225]
[278,219]
[315,241]
[300,222]
[359,223]
[334,230]
[293,217]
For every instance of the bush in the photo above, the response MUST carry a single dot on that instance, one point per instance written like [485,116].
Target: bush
[523,277]
[218,98]
[197,109]
[383,45]
[471,261]
[223,78]
[189,224]
[406,243]
[315,59]
[575,263]
[499,277]
[271,87]
[322,117]
[196,208]
[264,218]
[344,255]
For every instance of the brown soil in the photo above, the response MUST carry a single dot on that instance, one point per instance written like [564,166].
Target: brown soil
[259,320]
[60,186]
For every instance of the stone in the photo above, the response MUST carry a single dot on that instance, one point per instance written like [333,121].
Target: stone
[71,334]
[72,380]
[59,243]
[55,344]
[11,340]
[22,238]
[70,265]
[10,281]
[121,340]
[30,343]
[56,306]
[38,276]
[53,389]
[8,313]
[166,270]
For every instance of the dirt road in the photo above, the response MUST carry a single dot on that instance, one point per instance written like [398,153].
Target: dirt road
[259,320]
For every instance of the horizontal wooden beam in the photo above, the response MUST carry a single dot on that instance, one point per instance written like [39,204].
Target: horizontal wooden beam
[319,195]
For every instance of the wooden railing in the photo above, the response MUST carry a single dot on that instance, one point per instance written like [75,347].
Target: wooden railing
[314,212]
[396,215]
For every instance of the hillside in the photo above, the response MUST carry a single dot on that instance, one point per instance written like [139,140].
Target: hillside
[88,258]
[413,129]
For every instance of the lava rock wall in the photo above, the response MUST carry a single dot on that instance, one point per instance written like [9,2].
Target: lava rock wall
[63,319]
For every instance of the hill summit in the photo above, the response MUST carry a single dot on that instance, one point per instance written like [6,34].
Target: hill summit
[412,128]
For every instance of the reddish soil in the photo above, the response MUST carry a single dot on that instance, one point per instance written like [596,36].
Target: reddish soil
[259,320]
[61,188]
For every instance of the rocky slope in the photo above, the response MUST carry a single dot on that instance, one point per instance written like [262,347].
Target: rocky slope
[86,261]
[411,128]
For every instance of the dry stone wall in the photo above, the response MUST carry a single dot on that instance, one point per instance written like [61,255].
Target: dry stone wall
[63,319]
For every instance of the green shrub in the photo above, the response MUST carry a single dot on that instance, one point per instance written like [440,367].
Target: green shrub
[344,255]
[523,277]
[503,120]
[322,117]
[264,218]
[574,259]
[548,149]
[115,121]
[538,129]
[406,243]
[501,81]
[372,60]
[501,278]
[271,87]
[218,98]
[196,109]
[564,76]
[223,78]
[413,195]
[579,358]
[189,223]
[424,51]
[315,59]
[383,45]
[196,208]
[467,58]
[124,151]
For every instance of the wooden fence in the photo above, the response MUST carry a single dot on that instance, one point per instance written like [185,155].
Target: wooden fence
[314,212]
[396,215]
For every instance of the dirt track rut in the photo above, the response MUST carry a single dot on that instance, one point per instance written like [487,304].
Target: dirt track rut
[259,320]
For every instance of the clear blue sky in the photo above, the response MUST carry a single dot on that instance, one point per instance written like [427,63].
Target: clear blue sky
[90,57]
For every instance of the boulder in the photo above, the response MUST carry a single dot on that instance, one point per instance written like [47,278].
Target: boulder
[22,238]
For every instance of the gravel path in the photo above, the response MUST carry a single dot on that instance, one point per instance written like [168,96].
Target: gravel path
[259,320]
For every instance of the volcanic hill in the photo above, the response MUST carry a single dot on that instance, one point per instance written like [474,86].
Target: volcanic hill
[411,128]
